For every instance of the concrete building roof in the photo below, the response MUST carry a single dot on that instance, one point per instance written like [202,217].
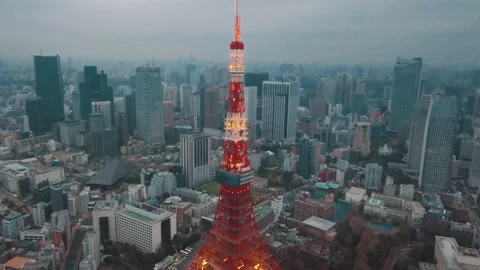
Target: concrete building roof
[319,223]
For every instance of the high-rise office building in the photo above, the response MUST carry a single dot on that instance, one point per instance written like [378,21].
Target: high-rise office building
[36,118]
[149,105]
[76,107]
[145,226]
[69,130]
[161,183]
[361,139]
[58,198]
[195,157]
[103,216]
[40,213]
[279,110]
[438,144]
[94,88]
[210,110]
[373,176]
[344,90]
[186,91]
[308,156]
[130,110]
[121,123]
[417,131]
[168,113]
[256,79]
[190,73]
[49,87]
[105,109]
[105,142]
[91,248]
[251,113]
[387,96]
[406,91]
[474,177]
[96,122]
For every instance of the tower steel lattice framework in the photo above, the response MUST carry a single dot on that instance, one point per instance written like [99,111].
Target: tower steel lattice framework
[234,241]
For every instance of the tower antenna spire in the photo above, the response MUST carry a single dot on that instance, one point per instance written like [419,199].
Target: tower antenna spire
[236,27]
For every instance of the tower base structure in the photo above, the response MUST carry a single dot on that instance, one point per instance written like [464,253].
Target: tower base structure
[234,241]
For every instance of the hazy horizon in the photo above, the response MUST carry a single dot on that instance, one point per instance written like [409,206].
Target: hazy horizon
[443,32]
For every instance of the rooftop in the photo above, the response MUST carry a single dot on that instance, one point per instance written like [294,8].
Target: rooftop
[105,206]
[276,244]
[261,211]
[145,213]
[357,191]
[374,202]
[319,223]
[328,185]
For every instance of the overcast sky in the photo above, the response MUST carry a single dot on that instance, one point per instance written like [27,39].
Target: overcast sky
[324,31]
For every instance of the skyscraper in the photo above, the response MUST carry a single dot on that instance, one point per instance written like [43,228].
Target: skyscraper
[94,88]
[438,143]
[307,162]
[49,87]
[149,105]
[373,176]
[361,139]
[234,241]
[105,109]
[343,91]
[417,131]
[130,110]
[256,79]
[36,118]
[406,91]
[474,177]
[210,110]
[251,113]
[195,157]
[185,93]
[279,110]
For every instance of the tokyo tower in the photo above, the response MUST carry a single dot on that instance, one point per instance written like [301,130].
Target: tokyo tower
[234,241]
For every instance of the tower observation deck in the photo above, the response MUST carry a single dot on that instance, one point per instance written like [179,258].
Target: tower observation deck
[234,241]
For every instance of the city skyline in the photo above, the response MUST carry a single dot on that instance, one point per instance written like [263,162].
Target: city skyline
[311,31]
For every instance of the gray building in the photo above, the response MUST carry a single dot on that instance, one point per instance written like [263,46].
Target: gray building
[417,131]
[279,110]
[406,91]
[251,113]
[307,161]
[195,157]
[149,105]
[69,130]
[373,176]
[438,144]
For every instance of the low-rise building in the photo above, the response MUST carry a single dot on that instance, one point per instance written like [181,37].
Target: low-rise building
[450,256]
[356,195]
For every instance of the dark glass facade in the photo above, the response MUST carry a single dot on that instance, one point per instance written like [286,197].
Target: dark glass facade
[49,87]
[36,119]
[94,88]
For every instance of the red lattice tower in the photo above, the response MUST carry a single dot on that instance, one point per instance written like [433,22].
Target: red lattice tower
[234,241]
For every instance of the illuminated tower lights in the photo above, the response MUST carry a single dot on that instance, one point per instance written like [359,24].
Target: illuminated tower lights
[234,241]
